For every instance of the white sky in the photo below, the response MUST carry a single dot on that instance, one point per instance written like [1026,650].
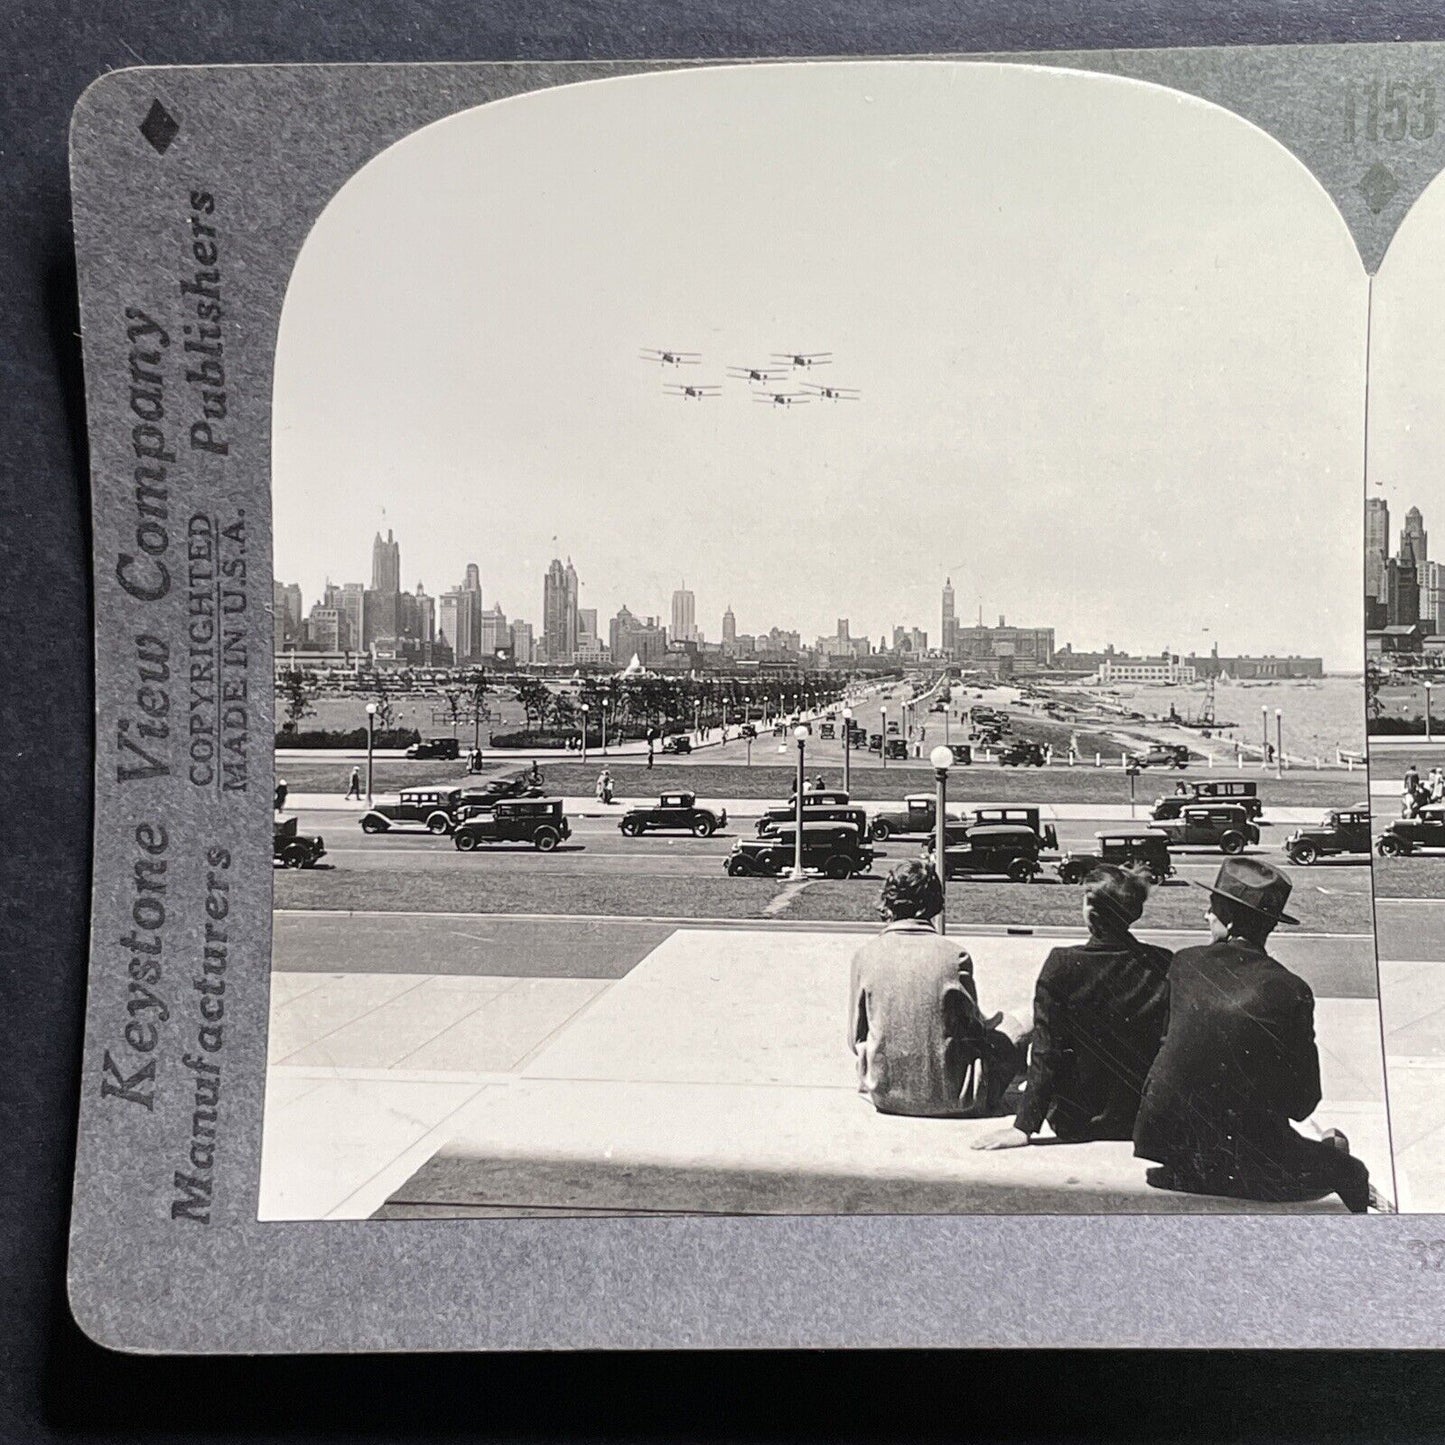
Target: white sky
[1109,339]
[1407,372]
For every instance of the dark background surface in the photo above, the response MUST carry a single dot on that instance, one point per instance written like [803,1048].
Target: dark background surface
[54,1384]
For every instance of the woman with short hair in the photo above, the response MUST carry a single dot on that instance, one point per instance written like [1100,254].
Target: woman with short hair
[1100,1010]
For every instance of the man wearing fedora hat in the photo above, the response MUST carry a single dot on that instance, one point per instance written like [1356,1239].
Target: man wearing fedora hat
[1239,1061]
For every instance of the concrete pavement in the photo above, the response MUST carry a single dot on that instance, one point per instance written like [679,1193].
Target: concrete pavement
[711,1074]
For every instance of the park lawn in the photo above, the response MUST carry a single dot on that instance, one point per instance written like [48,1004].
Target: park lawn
[460,891]
[324,774]
[1420,876]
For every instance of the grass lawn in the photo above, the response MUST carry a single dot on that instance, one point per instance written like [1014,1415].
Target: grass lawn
[558,889]
[1421,876]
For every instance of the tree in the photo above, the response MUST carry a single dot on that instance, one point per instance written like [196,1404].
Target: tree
[480,711]
[385,707]
[564,714]
[1374,704]
[297,693]
[535,698]
[453,698]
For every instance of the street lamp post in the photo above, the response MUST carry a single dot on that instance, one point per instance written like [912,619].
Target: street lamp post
[1428,686]
[370,741]
[848,750]
[1279,742]
[585,710]
[1264,739]
[883,735]
[942,760]
[797,875]
[604,727]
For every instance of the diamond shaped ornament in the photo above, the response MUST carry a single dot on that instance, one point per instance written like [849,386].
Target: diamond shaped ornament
[1377,185]
[159,127]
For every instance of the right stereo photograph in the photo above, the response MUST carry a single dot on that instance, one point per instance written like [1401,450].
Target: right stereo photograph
[1405,685]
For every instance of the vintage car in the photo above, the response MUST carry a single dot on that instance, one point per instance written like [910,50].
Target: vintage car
[1146,848]
[1412,835]
[538,821]
[895,748]
[678,744]
[962,752]
[435,809]
[1022,754]
[446,748]
[1023,815]
[1162,755]
[820,805]
[827,729]
[892,727]
[1342,830]
[748,730]
[1243,791]
[1225,826]
[1007,849]
[834,849]
[292,849]
[916,814]
[673,812]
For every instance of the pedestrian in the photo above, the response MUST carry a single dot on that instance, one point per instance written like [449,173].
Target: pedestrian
[649,755]
[280,794]
[604,786]
[1239,1061]
[819,782]
[353,788]
[921,1043]
[1437,785]
[1099,1013]
[1412,778]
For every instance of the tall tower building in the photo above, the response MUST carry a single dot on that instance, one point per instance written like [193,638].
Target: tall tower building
[472,582]
[353,611]
[1377,545]
[950,620]
[684,616]
[729,631]
[1414,544]
[386,564]
[559,611]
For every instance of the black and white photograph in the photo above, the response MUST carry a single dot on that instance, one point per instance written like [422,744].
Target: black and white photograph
[1405,664]
[820,661]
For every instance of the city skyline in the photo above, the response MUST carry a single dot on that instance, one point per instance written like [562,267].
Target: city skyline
[1046,329]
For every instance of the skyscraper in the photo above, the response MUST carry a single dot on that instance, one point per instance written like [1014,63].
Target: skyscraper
[1377,545]
[684,615]
[1414,543]
[386,564]
[729,631]
[353,611]
[559,611]
[950,621]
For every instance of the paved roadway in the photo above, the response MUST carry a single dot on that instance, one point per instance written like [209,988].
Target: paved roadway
[596,846]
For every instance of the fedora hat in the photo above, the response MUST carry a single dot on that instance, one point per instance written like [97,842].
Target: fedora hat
[1253,884]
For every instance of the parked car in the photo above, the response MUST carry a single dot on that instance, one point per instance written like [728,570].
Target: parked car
[1413,835]
[834,849]
[673,812]
[1022,754]
[435,809]
[538,821]
[748,730]
[447,748]
[827,730]
[292,849]
[1023,815]
[895,748]
[820,805]
[1225,826]
[1007,849]
[1146,848]
[1162,755]
[1342,830]
[1243,791]
[678,744]
[916,814]
[962,753]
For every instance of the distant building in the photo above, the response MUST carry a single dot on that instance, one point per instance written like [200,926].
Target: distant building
[353,611]
[729,632]
[684,616]
[628,635]
[1377,545]
[386,564]
[1168,668]
[1029,649]
[493,635]
[559,611]
[323,628]
[1414,543]
[1401,593]
[950,620]
[523,648]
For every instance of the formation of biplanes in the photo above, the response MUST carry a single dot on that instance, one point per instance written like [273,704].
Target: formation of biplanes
[783,382]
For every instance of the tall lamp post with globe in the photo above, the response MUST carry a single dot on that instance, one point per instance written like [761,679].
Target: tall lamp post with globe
[370,741]
[797,875]
[883,736]
[585,710]
[942,760]
[848,750]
